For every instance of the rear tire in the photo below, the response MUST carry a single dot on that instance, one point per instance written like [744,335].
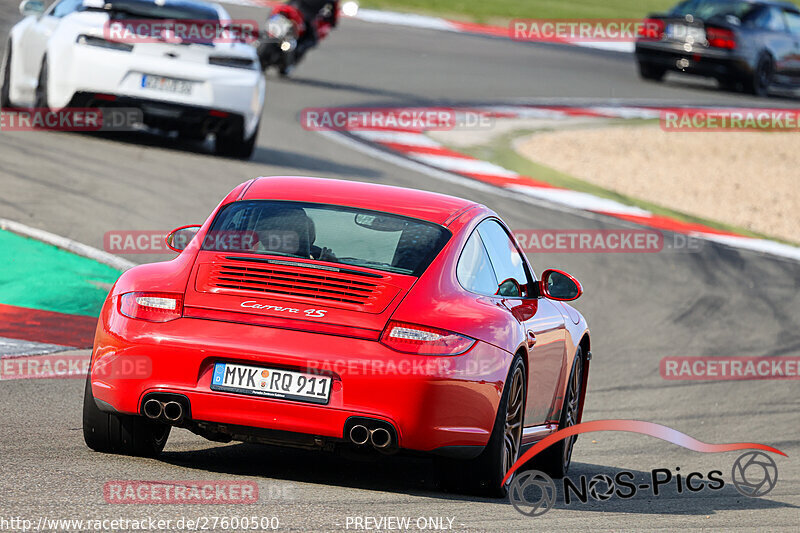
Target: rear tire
[555,460]
[41,87]
[233,144]
[759,82]
[650,72]
[121,434]
[5,89]
[483,475]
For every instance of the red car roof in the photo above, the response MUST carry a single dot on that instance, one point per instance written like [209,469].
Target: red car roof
[423,205]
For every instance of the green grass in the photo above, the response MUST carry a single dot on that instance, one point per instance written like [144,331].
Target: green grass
[500,151]
[501,11]
[495,11]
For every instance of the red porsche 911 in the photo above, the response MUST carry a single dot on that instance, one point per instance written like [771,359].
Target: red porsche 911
[321,313]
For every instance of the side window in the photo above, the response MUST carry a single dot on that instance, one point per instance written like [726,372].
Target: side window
[65,7]
[793,21]
[770,19]
[474,270]
[506,260]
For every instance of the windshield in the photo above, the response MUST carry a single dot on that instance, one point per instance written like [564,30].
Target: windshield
[706,9]
[146,9]
[327,233]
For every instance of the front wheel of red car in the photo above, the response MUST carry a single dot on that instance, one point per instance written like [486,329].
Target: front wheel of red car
[122,434]
[485,473]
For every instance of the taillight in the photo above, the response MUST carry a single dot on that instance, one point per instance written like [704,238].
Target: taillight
[652,29]
[721,38]
[151,306]
[422,340]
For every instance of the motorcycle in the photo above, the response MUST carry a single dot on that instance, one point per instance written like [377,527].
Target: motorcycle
[281,44]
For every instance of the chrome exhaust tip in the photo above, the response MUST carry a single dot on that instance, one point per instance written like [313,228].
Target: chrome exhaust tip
[173,411]
[380,437]
[359,434]
[153,408]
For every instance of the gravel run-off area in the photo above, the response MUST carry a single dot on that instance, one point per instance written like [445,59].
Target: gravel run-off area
[747,179]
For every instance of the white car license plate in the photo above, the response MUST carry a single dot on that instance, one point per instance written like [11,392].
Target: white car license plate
[271,382]
[169,85]
[682,32]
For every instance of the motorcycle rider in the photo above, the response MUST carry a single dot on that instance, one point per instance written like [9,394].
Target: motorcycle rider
[310,9]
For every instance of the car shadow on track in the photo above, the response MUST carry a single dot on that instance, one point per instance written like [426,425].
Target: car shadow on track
[301,161]
[418,475]
[344,468]
[407,98]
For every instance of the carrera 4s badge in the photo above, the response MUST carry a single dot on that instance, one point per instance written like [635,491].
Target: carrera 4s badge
[313,313]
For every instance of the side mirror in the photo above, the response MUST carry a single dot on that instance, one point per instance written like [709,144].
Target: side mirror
[558,285]
[31,8]
[510,288]
[179,238]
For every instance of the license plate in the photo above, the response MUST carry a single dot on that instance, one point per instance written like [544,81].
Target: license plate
[271,383]
[682,32]
[170,85]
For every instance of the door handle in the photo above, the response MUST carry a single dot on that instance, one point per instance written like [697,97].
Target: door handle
[531,339]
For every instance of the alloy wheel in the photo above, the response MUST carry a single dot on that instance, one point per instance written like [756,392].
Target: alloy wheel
[512,429]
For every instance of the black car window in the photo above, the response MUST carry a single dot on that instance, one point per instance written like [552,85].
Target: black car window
[506,259]
[767,18]
[706,9]
[147,9]
[65,7]
[474,271]
[793,21]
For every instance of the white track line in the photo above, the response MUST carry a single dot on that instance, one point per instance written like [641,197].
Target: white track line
[406,19]
[20,348]
[66,244]
[399,137]
[458,164]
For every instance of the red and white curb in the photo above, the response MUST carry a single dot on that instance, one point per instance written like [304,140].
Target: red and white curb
[417,151]
[426,22]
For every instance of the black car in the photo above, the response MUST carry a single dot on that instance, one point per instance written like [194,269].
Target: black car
[749,44]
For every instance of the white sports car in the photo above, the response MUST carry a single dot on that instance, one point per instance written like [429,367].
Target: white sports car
[65,56]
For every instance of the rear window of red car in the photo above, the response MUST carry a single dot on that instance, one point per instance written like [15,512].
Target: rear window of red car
[331,233]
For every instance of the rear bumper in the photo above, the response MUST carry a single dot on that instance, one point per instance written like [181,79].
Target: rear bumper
[432,402]
[168,115]
[86,69]
[703,62]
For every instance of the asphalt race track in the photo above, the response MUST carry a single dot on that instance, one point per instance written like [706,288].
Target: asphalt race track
[640,307]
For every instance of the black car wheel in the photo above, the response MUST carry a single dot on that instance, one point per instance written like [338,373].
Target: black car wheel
[556,459]
[761,79]
[233,144]
[5,89]
[122,434]
[483,475]
[648,71]
[41,87]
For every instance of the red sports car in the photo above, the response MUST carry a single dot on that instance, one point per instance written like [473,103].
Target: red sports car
[318,313]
